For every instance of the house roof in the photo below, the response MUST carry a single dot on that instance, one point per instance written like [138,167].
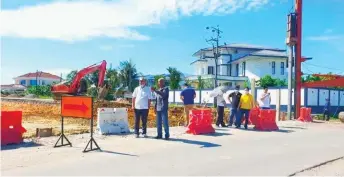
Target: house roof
[40,74]
[239,46]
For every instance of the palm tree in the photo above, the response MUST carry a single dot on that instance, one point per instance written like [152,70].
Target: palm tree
[128,73]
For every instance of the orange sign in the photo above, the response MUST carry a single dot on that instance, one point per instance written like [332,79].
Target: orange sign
[77,106]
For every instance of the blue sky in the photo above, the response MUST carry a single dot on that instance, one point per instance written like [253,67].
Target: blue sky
[61,35]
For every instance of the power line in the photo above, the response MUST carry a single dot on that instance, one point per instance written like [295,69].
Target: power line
[325,67]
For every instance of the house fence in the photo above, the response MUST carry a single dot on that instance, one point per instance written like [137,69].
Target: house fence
[314,98]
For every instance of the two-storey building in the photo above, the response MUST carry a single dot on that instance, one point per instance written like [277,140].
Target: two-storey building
[238,63]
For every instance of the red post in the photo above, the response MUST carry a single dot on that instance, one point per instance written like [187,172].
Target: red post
[298,11]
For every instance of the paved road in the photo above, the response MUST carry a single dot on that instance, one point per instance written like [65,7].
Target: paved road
[228,152]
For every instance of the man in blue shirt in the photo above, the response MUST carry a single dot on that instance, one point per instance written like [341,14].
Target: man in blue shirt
[187,95]
[327,110]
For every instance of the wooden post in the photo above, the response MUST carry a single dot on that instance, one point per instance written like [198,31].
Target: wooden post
[278,104]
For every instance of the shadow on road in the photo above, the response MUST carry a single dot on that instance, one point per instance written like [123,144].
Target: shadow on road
[280,130]
[118,153]
[292,127]
[201,143]
[21,145]
[217,134]
[317,121]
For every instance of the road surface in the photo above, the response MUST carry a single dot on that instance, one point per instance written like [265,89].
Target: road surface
[228,152]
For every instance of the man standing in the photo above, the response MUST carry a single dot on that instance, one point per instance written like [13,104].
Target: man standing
[327,110]
[187,95]
[265,99]
[246,104]
[161,108]
[140,103]
[220,110]
[234,99]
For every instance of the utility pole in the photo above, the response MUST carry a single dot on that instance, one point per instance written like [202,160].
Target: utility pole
[215,41]
[291,42]
[298,58]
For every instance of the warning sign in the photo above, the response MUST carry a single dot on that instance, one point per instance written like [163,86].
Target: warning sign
[77,106]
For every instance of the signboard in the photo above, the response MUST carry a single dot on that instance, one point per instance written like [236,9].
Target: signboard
[76,106]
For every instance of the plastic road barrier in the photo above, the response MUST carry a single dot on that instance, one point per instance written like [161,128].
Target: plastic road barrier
[11,127]
[200,122]
[266,120]
[112,121]
[305,115]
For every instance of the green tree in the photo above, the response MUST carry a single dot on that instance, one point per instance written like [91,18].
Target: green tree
[113,77]
[200,83]
[70,76]
[266,81]
[128,74]
[175,78]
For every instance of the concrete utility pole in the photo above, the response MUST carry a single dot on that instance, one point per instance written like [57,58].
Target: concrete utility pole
[215,42]
[291,42]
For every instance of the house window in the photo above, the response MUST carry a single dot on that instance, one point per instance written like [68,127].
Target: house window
[43,82]
[243,68]
[282,68]
[273,67]
[218,69]
[33,82]
[210,69]
[229,70]
[23,82]
[237,70]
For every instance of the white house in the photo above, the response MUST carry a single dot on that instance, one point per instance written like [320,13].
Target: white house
[37,78]
[238,63]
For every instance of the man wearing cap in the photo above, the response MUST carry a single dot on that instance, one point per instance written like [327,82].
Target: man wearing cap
[141,101]
[234,99]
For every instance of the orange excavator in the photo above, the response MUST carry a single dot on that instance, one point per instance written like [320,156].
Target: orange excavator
[78,85]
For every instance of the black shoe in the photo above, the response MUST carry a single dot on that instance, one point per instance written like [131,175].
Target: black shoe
[167,138]
[158,137]
[246,127]
[217,125]
[237,126]
[229,125]
[223,125]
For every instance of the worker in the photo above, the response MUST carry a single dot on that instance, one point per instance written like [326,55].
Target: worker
[220,110]
[246,104]
[187,96]
[234,100]
[327,110]
[141,101]
[161,109]
[265,99]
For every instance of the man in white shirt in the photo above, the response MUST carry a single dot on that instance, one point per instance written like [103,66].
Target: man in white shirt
[142,96]
[265,99]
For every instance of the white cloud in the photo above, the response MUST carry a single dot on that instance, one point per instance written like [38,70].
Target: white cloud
[81,20]
[325,37]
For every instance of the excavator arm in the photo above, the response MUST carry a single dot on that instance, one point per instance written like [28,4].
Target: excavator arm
[63,89]
[82,73]
[332,81]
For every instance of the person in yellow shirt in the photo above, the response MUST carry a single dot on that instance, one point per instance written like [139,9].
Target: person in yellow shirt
[245,105]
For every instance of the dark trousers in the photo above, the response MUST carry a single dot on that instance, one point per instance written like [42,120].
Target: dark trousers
[327,113]
[141,114]
[245,112]
[234,112]
[162,119]
[220,111]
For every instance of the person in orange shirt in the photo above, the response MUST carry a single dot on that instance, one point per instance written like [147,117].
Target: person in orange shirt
[245,105]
